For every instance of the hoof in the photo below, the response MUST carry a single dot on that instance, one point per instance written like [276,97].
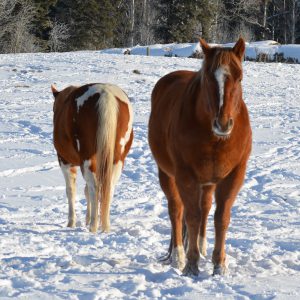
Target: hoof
[105,229]
[93,228]
[71,224]
[219,270]
[178,258]
[177,264]
[165,259]
[191,269]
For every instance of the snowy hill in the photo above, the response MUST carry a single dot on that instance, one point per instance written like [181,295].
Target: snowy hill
[255,51]
[42,259]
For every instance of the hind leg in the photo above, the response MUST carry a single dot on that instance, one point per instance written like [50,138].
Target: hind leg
[70,174]
[88,206]
[116,173]
[205,204]
[90,178]
[175,208]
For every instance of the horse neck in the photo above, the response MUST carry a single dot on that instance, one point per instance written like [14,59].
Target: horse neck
[62,99]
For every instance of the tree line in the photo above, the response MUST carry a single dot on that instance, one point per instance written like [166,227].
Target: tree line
[66,25]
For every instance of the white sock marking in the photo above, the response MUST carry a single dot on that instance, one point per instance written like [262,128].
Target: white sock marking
[178,258]
[91,180]
[70,179]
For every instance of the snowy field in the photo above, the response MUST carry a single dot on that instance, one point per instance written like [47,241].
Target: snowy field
[43,259]
[270,49]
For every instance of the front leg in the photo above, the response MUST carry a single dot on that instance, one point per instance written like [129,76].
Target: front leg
[189,190]
[175,207]
[70,174]
[205,204]
[226,193]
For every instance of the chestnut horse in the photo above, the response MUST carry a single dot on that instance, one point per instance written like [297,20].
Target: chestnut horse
[93,130]
[200,137]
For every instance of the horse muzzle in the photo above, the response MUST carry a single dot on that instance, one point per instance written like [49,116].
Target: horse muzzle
[222,130]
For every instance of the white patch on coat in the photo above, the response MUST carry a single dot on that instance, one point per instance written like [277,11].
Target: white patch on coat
[92,90]
[109,89]
[117,92]
[220,75]
[88,175]
[70,179]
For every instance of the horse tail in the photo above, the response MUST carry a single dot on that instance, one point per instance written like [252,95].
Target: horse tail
[108,110]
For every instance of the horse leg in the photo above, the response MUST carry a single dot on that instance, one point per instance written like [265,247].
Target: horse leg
[190,194]
[116,174]
[175,208]
[225,195]
[205,204]
[90,178]
[88,206]
[70,174]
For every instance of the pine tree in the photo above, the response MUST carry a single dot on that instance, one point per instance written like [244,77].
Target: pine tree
[184,20]
[91,23]
[42,23]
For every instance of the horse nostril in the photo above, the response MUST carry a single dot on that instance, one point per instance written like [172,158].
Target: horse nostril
[216,123]
[230,123]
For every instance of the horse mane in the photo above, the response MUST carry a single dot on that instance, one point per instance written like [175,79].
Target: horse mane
[222,57]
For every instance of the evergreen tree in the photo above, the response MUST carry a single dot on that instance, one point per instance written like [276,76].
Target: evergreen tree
[184,20]
[92,23]
[42,23]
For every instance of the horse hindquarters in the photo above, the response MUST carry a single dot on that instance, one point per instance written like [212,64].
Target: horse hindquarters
[114,138]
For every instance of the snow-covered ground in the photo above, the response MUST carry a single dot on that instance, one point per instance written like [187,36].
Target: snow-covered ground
[42,259]
[270,49]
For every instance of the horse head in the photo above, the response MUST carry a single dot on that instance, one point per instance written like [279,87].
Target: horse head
[60,96]
[222,73]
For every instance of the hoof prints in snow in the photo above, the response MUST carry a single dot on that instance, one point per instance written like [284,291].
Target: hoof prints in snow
[43,259]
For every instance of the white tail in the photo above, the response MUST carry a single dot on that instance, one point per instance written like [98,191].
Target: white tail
[108,110]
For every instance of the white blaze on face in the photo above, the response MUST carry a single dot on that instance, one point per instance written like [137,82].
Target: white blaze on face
[220,75]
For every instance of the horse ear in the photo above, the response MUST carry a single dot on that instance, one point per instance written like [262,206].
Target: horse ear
[54,90]
[239,48]
[205,47]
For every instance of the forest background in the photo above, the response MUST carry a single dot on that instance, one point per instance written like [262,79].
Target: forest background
[70,25]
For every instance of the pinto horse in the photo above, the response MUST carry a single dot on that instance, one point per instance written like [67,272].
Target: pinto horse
[93,130]
[200,137]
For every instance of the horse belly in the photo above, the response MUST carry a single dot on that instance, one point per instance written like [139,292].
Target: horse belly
[159,150]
